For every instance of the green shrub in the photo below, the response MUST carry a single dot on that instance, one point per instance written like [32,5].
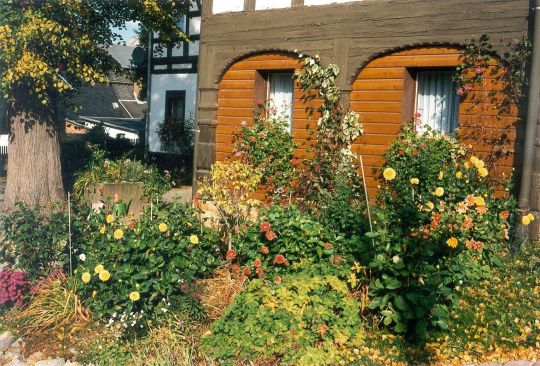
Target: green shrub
[34,241]
[308,319]
[440,224]
[136,271]
[282,238]
[102,170]
[268,145]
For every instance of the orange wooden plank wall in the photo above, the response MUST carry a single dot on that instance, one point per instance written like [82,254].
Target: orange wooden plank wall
[237,99]
[378,95]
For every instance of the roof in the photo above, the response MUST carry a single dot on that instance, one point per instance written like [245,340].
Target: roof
[122,54]
[134,125]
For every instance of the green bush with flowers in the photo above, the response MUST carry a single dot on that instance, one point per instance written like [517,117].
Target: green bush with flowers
[268,145]
[134,271]
[282,238]
[310,318]
[440,224]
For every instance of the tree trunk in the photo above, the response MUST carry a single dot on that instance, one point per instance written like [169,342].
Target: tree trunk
[34,173]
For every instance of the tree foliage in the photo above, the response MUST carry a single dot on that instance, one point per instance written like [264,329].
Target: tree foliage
[48,49]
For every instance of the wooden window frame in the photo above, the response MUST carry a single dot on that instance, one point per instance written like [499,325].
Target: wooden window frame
[169,95]
[410,89]
[262,87]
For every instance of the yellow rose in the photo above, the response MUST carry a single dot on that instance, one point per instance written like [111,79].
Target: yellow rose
[459,175]
[118,234]
[441,175]
[452,242]
[389,174]
[163,227]
[415,181]
[439,192]
[474,160]
[467,165]
[194,239]
[99,268]
[102,230]
[479,201]
[86,277]
[530,216]
[104,275]
[483,172]
[430,205]
[526,220]
[134,296]
[479,164]
[109,219]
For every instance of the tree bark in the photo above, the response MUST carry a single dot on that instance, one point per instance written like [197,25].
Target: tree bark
[34,173]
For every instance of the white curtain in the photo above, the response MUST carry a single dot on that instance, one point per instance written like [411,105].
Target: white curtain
[280,91]
[437,101]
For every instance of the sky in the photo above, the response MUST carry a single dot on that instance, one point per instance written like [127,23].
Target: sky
[128,33]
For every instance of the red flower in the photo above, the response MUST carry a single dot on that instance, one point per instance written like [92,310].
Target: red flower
[246,271]
[270,235]
[132,224]
[265,227]
[422,146]
[265,250]
[259,272]
[257,263]
[504,214]
[183,287]
[295,161]
[328,246]
[277,280]
[336,260]
[415,152]
[460,91]
[235,268]
[260,102]
[401,152]
[231,254]
[280,259]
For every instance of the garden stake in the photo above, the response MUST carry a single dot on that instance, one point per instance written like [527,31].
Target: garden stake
[366,192]
[69,235]
[367,197]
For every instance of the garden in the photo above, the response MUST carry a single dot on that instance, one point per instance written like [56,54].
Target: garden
[280,260]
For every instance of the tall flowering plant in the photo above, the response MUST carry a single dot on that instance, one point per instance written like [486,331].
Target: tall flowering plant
[268,144]
[440,223]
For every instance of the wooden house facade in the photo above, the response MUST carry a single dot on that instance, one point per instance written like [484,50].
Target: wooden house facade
[395,57]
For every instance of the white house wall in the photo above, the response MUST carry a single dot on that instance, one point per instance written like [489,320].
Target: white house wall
[227,6]
[161,83]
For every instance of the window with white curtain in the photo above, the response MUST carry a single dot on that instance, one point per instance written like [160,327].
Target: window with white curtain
[437,103]
[280,92]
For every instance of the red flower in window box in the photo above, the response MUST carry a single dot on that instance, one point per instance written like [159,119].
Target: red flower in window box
[257,263]
[246,271]
[259,272]
[265,250]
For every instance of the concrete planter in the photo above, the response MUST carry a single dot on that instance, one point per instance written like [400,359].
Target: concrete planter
[131,193]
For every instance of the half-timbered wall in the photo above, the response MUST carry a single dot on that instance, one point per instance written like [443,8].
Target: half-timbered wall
[348,34]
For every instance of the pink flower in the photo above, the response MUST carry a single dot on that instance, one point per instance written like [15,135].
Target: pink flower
[460,91]
[260,102]
[479,70]
[467,88]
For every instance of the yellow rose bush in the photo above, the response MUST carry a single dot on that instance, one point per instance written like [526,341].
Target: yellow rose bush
[438,222]
[136,268]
